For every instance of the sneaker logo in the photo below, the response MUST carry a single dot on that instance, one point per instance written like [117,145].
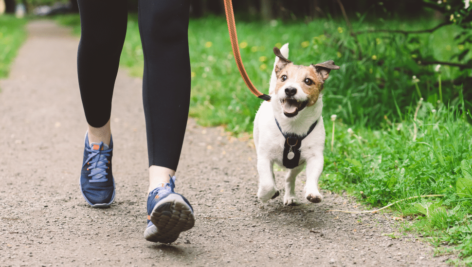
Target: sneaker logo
[157,196]
[149,217]
[97,147]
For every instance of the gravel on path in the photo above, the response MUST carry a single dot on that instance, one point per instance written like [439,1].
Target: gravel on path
[45,221]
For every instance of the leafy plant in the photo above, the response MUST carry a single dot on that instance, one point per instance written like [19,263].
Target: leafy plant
[464,184]
[12,35]
[392,165]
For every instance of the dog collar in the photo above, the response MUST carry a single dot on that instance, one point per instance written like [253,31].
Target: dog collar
[292,144]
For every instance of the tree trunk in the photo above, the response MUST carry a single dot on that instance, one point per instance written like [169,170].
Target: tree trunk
[74,7]
[215,6]
[251,7]
[196,8]
[266,10]
[10,6]
[204,7]
[313,9]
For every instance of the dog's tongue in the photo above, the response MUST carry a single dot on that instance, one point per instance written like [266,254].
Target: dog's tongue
[290,106]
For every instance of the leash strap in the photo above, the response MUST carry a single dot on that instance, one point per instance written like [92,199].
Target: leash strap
[292,144]
[237,55]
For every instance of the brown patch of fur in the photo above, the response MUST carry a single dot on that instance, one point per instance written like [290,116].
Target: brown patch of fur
[298,74]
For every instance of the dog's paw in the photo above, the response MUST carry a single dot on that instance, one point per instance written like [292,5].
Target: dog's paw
[290,200]
[277,193]
[265,194]
[314,197]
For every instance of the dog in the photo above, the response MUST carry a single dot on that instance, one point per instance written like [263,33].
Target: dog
[289,129]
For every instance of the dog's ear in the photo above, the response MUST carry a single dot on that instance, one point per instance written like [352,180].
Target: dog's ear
[324,68]
[282,62]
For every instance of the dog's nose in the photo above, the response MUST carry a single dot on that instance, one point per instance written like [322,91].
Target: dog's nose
[290,91]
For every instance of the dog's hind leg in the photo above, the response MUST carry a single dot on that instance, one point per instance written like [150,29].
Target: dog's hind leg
[267,189]
[290,197]
[313,173]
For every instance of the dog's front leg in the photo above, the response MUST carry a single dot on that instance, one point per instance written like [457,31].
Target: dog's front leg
[313,172]
[290,197]
[267,189]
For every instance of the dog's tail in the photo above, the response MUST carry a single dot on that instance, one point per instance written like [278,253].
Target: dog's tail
[273,78]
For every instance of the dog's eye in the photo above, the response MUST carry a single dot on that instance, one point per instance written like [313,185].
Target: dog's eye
[284,78]
[308,81]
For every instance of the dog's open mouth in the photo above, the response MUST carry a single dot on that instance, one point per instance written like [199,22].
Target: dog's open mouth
[292,106]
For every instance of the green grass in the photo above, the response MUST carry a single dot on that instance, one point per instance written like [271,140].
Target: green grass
[72,21]
[375,96]
[385,165]
[360,92]
[12,35]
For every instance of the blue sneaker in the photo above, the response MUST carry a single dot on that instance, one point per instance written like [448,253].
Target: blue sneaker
[169,214]
[96,180]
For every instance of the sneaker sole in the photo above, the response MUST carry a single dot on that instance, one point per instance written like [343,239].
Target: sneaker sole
[171,217]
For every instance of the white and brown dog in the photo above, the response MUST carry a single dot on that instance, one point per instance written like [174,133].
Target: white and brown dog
[293,115]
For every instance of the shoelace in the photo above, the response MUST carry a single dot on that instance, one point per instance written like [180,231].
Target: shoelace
[97,161]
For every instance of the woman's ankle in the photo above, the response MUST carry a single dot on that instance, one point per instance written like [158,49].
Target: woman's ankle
[100,134]
[158,176]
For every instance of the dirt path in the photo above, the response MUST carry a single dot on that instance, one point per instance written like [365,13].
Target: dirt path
[45,221]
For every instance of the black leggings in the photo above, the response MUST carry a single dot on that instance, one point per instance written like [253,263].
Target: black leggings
[163,25]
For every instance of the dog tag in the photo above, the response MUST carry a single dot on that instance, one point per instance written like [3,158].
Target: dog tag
[290,155]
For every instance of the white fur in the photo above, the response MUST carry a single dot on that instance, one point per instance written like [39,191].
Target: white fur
[270,143]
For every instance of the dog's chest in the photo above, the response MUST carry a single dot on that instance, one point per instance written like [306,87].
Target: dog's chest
[271,135]
[278,152]
[292,146]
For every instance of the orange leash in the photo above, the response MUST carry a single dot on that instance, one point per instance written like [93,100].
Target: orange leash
[237,55]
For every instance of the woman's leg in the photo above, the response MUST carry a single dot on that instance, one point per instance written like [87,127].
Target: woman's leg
[103,25]
[103,32]
[166,83]
[163,26]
